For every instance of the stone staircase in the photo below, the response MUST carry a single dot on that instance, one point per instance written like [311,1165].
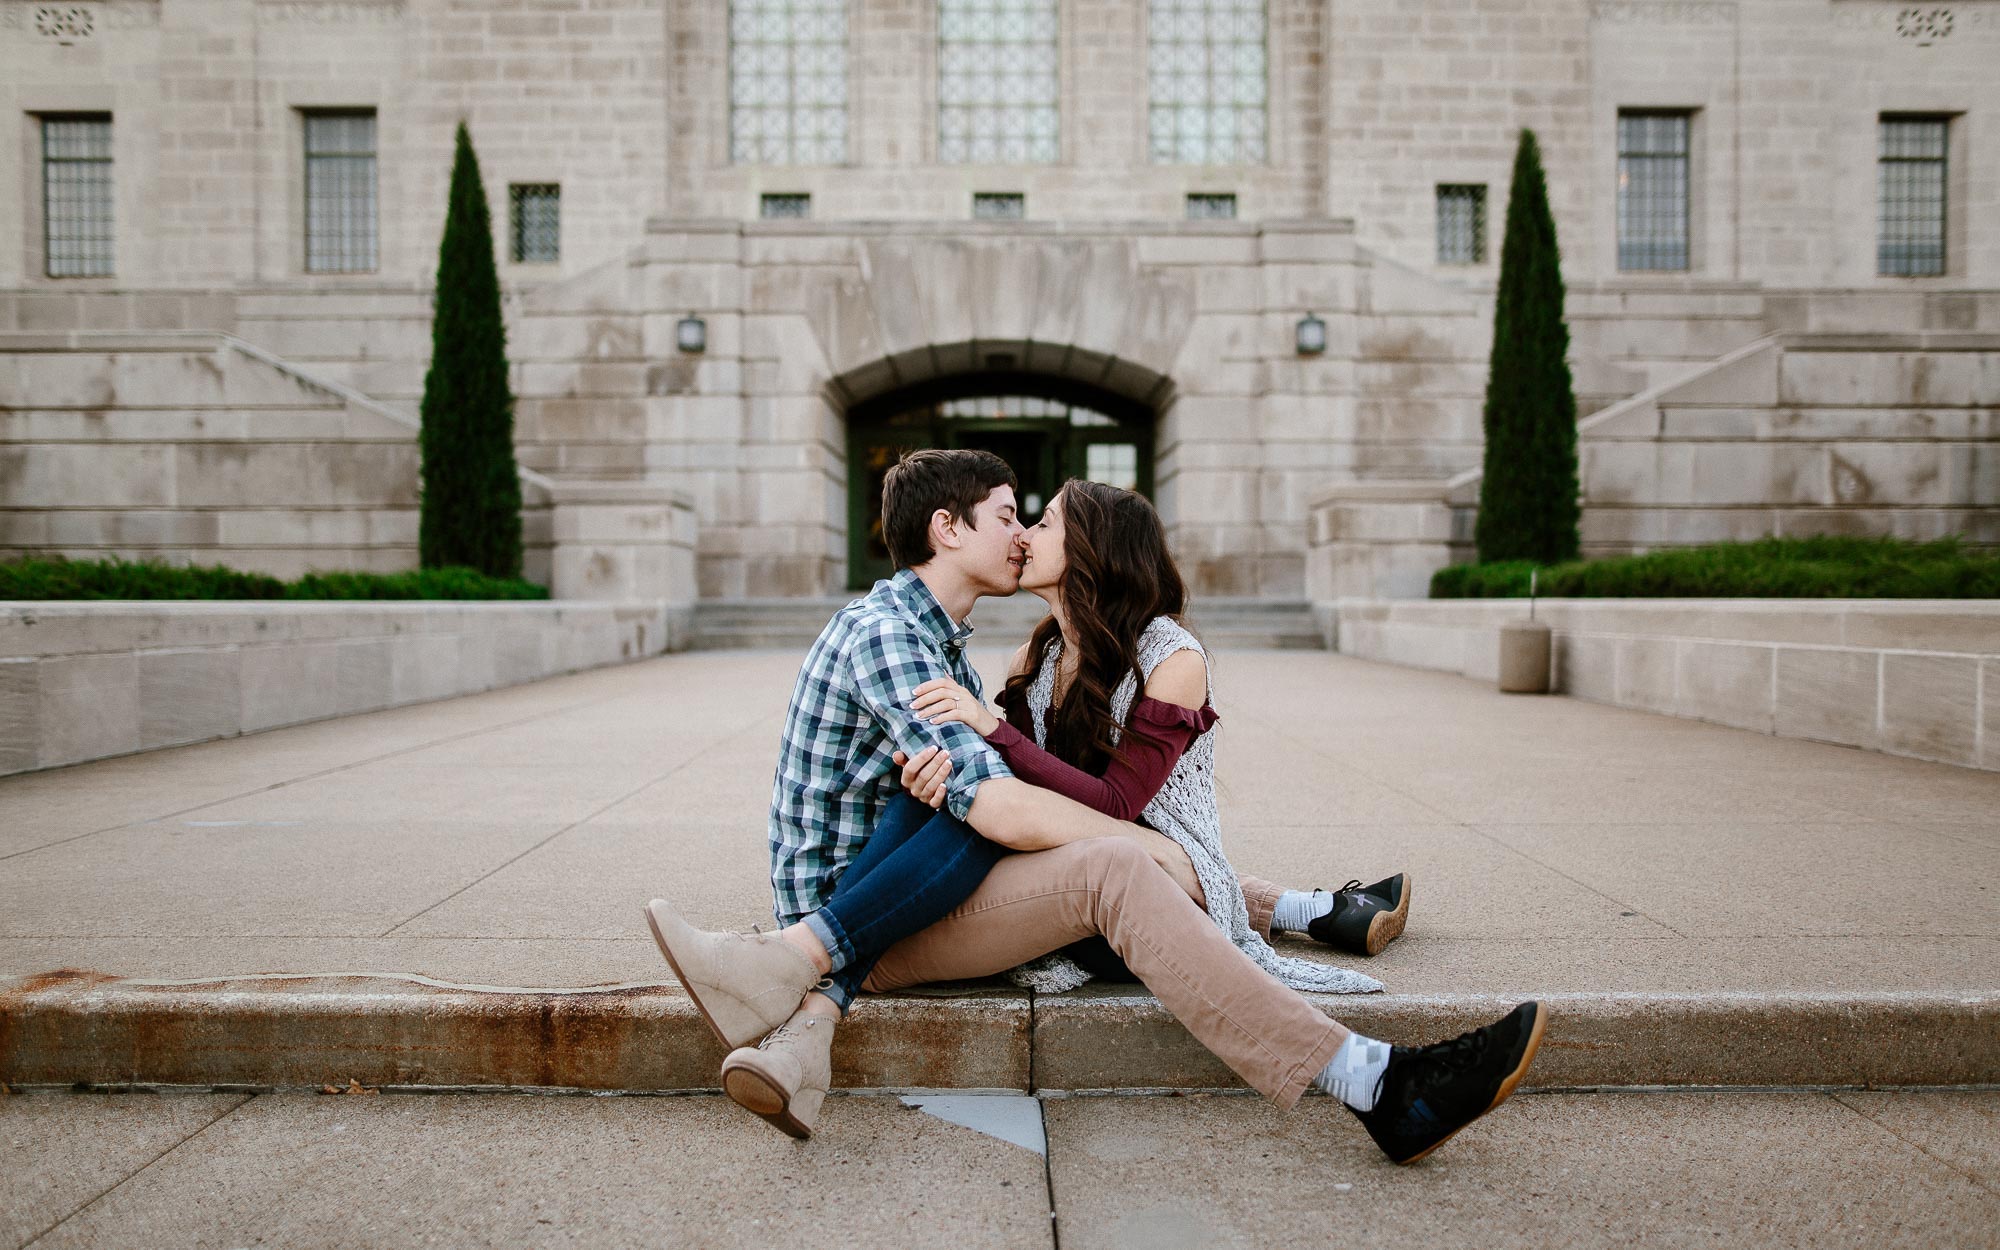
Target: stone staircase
[792,624]
[198,447]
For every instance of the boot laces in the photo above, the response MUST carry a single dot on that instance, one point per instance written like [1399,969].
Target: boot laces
[1464,1052]
[790,1030]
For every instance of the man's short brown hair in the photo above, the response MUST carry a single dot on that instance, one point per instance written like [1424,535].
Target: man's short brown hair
[922,482]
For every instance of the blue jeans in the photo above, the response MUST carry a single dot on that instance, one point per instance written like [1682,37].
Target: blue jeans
[916,866]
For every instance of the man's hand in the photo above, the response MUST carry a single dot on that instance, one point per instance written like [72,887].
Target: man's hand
[941,699]
[925,777]
[1168,854]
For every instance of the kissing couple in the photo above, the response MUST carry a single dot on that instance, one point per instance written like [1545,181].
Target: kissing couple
[916,836]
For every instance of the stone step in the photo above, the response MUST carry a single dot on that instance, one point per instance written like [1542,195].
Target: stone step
[80,1028]
[792,624]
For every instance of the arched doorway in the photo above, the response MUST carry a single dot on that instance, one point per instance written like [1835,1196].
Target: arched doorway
[1047,428]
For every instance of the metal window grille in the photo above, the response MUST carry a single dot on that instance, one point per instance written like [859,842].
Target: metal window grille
[1207,85]
[788,82]
[1653,190]
[998,95]
[786,206]
[340,192]
[999,206]
[1910,196]
[1461,224]
[76,197]
[1203,207]
[534,211]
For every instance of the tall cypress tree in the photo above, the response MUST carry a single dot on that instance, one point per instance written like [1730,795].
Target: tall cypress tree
[1528,507]
[472,489]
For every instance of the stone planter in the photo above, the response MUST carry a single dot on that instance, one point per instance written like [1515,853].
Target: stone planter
[1524,658]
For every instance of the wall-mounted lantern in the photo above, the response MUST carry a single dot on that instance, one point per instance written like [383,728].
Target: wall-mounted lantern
[692,334]
[1311,335]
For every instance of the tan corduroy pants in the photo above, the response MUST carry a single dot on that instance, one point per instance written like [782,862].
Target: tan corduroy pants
[1034,903]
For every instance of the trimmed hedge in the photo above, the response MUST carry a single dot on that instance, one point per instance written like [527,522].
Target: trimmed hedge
[1772,568]
[123,579]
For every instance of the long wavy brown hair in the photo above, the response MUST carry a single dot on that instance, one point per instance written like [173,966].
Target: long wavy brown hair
[1118,576]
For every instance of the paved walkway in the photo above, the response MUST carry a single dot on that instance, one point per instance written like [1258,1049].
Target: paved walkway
[1684,1169]
[509,838]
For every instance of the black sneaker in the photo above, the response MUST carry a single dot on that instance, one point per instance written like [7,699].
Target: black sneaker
[1431,1092]
[1365,918]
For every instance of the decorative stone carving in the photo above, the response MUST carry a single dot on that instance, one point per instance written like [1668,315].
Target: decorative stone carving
[66,24]
[1924,26]
[1920,25]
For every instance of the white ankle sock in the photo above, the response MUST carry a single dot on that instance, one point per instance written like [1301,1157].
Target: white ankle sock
[1298,908]
[1354,1074]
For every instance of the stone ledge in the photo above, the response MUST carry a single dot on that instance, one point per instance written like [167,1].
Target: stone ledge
[83,1028]
[86,681]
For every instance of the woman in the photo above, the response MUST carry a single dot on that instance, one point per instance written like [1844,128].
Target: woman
[1099,557]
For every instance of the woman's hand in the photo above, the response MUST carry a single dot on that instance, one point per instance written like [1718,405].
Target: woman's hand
[941,699]
[925,777]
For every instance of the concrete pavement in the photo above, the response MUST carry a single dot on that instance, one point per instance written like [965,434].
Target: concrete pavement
[1658,878]
[1762,1169]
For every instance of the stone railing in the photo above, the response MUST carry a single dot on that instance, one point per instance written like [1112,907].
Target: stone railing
[1908,677]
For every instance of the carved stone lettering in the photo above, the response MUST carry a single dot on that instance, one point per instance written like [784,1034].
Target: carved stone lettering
[330,13]
[1665,12]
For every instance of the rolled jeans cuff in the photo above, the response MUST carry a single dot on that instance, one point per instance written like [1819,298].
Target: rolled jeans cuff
[827,929]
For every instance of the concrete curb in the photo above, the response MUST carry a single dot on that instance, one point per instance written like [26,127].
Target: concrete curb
[86,1028]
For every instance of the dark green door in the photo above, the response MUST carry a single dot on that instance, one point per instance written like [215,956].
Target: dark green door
[1045,441]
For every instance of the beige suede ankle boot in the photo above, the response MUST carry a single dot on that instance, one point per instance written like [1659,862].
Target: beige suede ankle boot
[744,984]
[784,1079]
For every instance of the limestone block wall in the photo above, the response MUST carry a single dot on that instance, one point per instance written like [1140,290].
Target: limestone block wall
[206,98]
[193,448]
[83,681]
[1908,677]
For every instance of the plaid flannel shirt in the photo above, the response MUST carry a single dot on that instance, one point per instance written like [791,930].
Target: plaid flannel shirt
[850,712]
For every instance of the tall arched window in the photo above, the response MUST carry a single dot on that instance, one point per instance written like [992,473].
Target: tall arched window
[1208,68]
[788,82]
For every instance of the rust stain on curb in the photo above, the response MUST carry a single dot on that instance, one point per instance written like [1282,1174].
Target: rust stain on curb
[75,1025]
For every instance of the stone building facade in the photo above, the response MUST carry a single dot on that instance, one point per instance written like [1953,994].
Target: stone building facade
[1095,235]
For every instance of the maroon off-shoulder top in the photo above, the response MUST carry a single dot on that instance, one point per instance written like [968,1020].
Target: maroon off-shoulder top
[1156,735]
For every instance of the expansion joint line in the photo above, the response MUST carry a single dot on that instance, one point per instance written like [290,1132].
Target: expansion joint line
[226,1112]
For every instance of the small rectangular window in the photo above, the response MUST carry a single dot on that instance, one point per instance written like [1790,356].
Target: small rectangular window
[785,206]
[535,222]
[1910,189]
[999,206]
[1653,190]
[76,196]
[1206,207]
[1461,224]
[340,191]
